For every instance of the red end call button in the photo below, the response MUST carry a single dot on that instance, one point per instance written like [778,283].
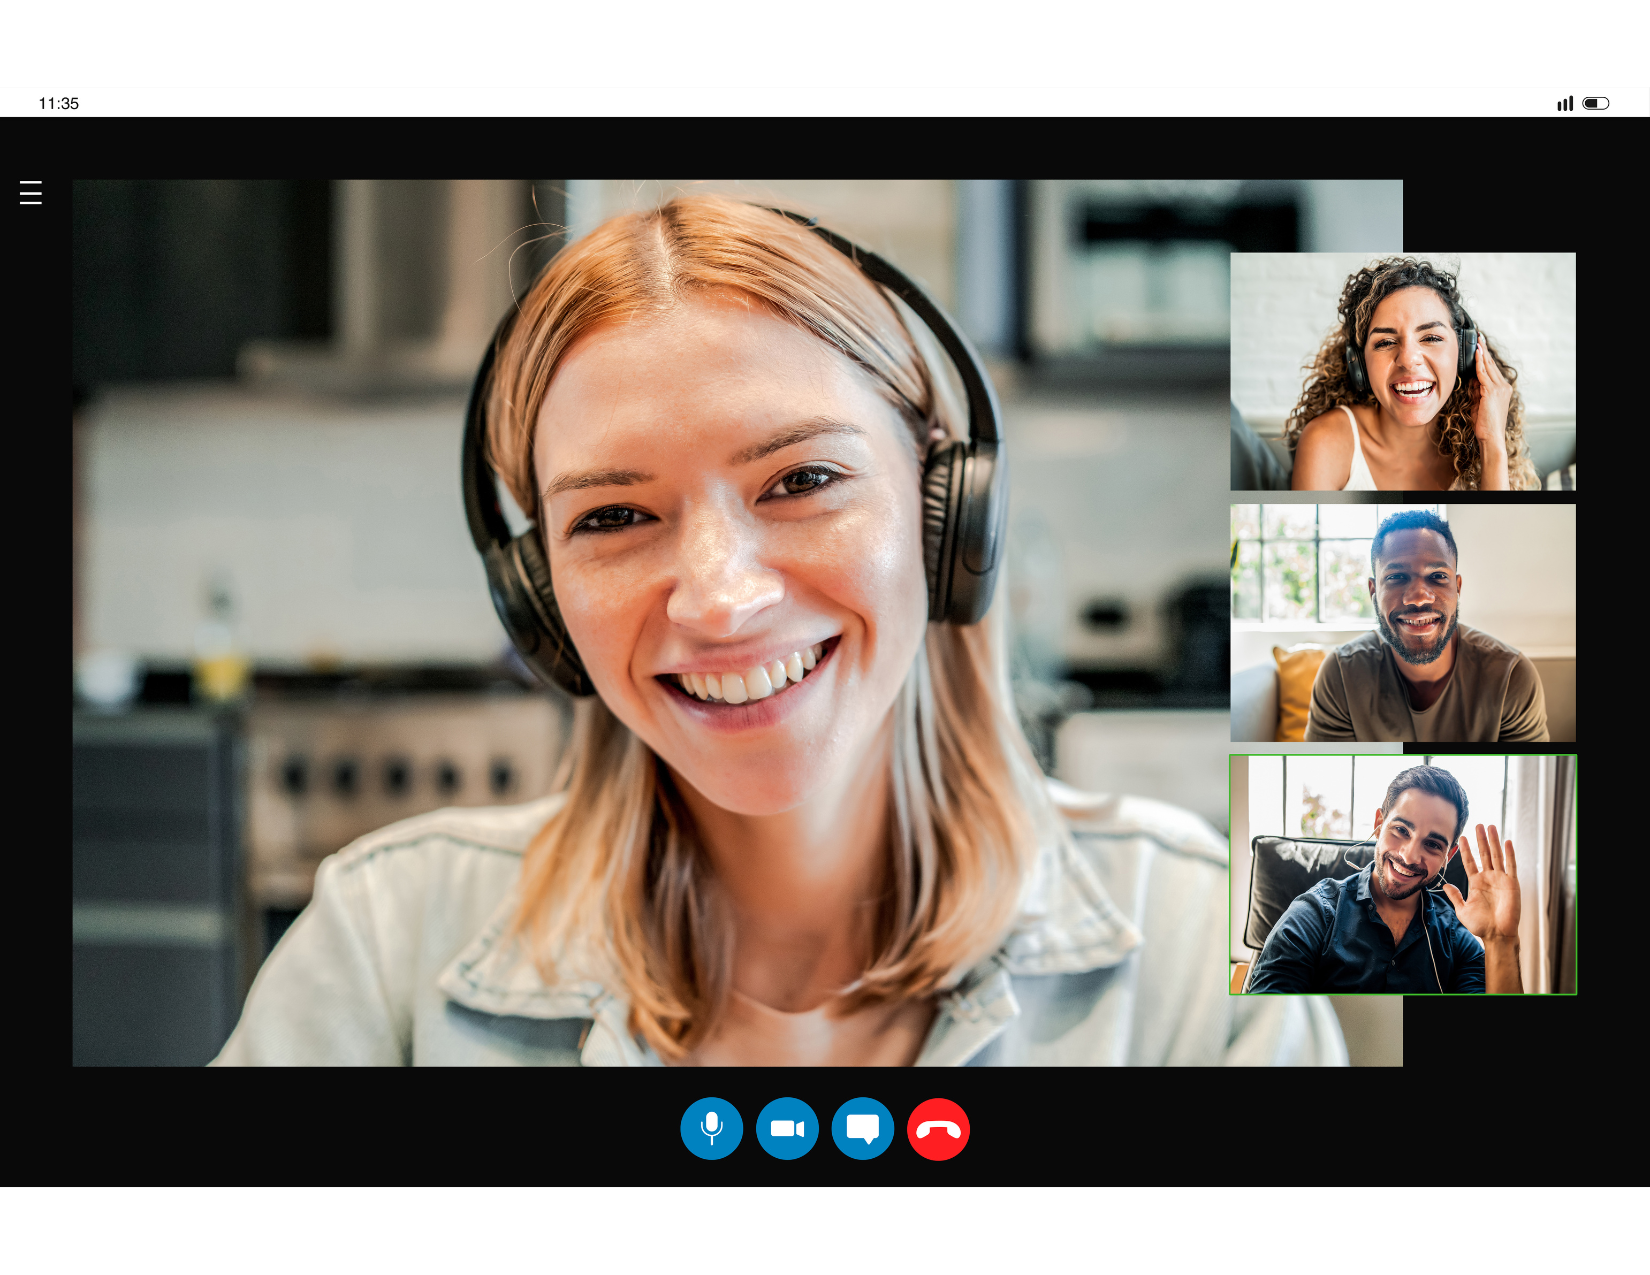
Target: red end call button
[938,1129]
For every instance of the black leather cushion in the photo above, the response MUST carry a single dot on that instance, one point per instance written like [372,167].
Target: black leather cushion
[1281,869]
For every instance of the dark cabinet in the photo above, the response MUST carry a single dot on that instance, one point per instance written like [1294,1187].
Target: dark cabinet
[157,899]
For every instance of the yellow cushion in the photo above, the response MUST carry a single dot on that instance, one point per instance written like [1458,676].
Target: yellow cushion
[1297,669]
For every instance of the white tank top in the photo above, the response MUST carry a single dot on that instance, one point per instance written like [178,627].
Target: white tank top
[1360,479]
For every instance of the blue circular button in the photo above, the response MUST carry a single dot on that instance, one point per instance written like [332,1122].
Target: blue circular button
[787,1128]
[711,1128]
[863,1128]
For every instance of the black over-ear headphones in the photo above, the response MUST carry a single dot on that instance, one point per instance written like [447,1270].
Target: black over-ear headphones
[964,498]
[1466,350]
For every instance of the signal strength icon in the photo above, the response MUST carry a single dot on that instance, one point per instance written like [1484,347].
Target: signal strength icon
[1567,103]
[30,192]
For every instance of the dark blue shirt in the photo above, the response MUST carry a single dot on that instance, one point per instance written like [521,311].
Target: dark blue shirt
[1331,939]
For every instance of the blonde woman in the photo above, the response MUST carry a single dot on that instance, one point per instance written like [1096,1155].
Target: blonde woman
[797,822]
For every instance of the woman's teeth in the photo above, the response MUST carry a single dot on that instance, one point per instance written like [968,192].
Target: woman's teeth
[757,682]
[1413,389]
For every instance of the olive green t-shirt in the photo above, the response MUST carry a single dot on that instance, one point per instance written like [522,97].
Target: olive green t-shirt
[1494,693]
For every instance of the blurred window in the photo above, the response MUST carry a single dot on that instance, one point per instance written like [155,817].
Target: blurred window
[1317,796]
[1370,778]
[1305,564]
[1338,797]
[1485,779]
[1265,796]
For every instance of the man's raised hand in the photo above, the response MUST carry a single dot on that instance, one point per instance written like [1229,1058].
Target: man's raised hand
[1491,907]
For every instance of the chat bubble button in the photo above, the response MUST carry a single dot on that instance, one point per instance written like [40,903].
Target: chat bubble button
[862,1129]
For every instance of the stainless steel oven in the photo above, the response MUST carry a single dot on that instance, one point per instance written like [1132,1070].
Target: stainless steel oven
[323,771]
[196,835]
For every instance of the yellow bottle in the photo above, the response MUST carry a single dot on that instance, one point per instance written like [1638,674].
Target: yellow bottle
[222,671]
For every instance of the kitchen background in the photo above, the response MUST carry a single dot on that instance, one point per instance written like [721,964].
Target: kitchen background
[283,638]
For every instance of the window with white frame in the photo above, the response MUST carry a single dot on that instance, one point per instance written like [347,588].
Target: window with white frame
[1336,797]
[1306,564]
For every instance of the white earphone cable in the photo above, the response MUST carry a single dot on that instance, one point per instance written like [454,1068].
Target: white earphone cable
[1436,888]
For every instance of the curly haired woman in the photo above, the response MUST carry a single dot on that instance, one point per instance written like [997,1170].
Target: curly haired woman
[1414,424]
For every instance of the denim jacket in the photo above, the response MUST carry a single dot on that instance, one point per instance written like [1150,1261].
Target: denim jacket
[1119,957]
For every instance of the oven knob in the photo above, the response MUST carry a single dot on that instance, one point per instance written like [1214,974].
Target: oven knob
[448,778]
[294,777]
[346,776]
[501,776]
[397,776]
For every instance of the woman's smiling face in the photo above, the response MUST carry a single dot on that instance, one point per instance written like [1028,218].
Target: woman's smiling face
[721,491]
[1410,355]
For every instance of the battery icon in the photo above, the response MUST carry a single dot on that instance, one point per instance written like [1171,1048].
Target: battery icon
[1596,103]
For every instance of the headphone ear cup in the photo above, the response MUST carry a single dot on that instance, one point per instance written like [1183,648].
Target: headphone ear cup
[518,576]
[1468,346]
[982,525]
[1355,370]
[964,511]
[941,494]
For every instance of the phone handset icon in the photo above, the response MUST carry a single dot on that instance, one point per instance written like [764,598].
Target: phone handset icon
[949,1126]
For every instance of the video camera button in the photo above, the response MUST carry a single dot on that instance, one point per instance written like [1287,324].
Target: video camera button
[787,1128]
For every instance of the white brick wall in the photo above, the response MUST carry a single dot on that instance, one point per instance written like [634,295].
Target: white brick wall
[339,529]
[1283,304]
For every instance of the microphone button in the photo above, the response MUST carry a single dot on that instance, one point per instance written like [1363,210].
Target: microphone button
[711,1128]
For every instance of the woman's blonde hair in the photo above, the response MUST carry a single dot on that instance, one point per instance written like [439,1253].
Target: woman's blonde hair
[1329,383]
[621,861]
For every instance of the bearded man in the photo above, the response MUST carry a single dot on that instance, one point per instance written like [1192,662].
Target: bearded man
[1421,675]
[1397,925]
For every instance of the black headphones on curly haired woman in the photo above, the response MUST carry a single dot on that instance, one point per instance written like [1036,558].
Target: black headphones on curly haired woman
[964,498]
[1466,339]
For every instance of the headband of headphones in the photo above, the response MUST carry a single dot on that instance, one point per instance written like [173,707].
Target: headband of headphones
[984,413]
[964,495]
